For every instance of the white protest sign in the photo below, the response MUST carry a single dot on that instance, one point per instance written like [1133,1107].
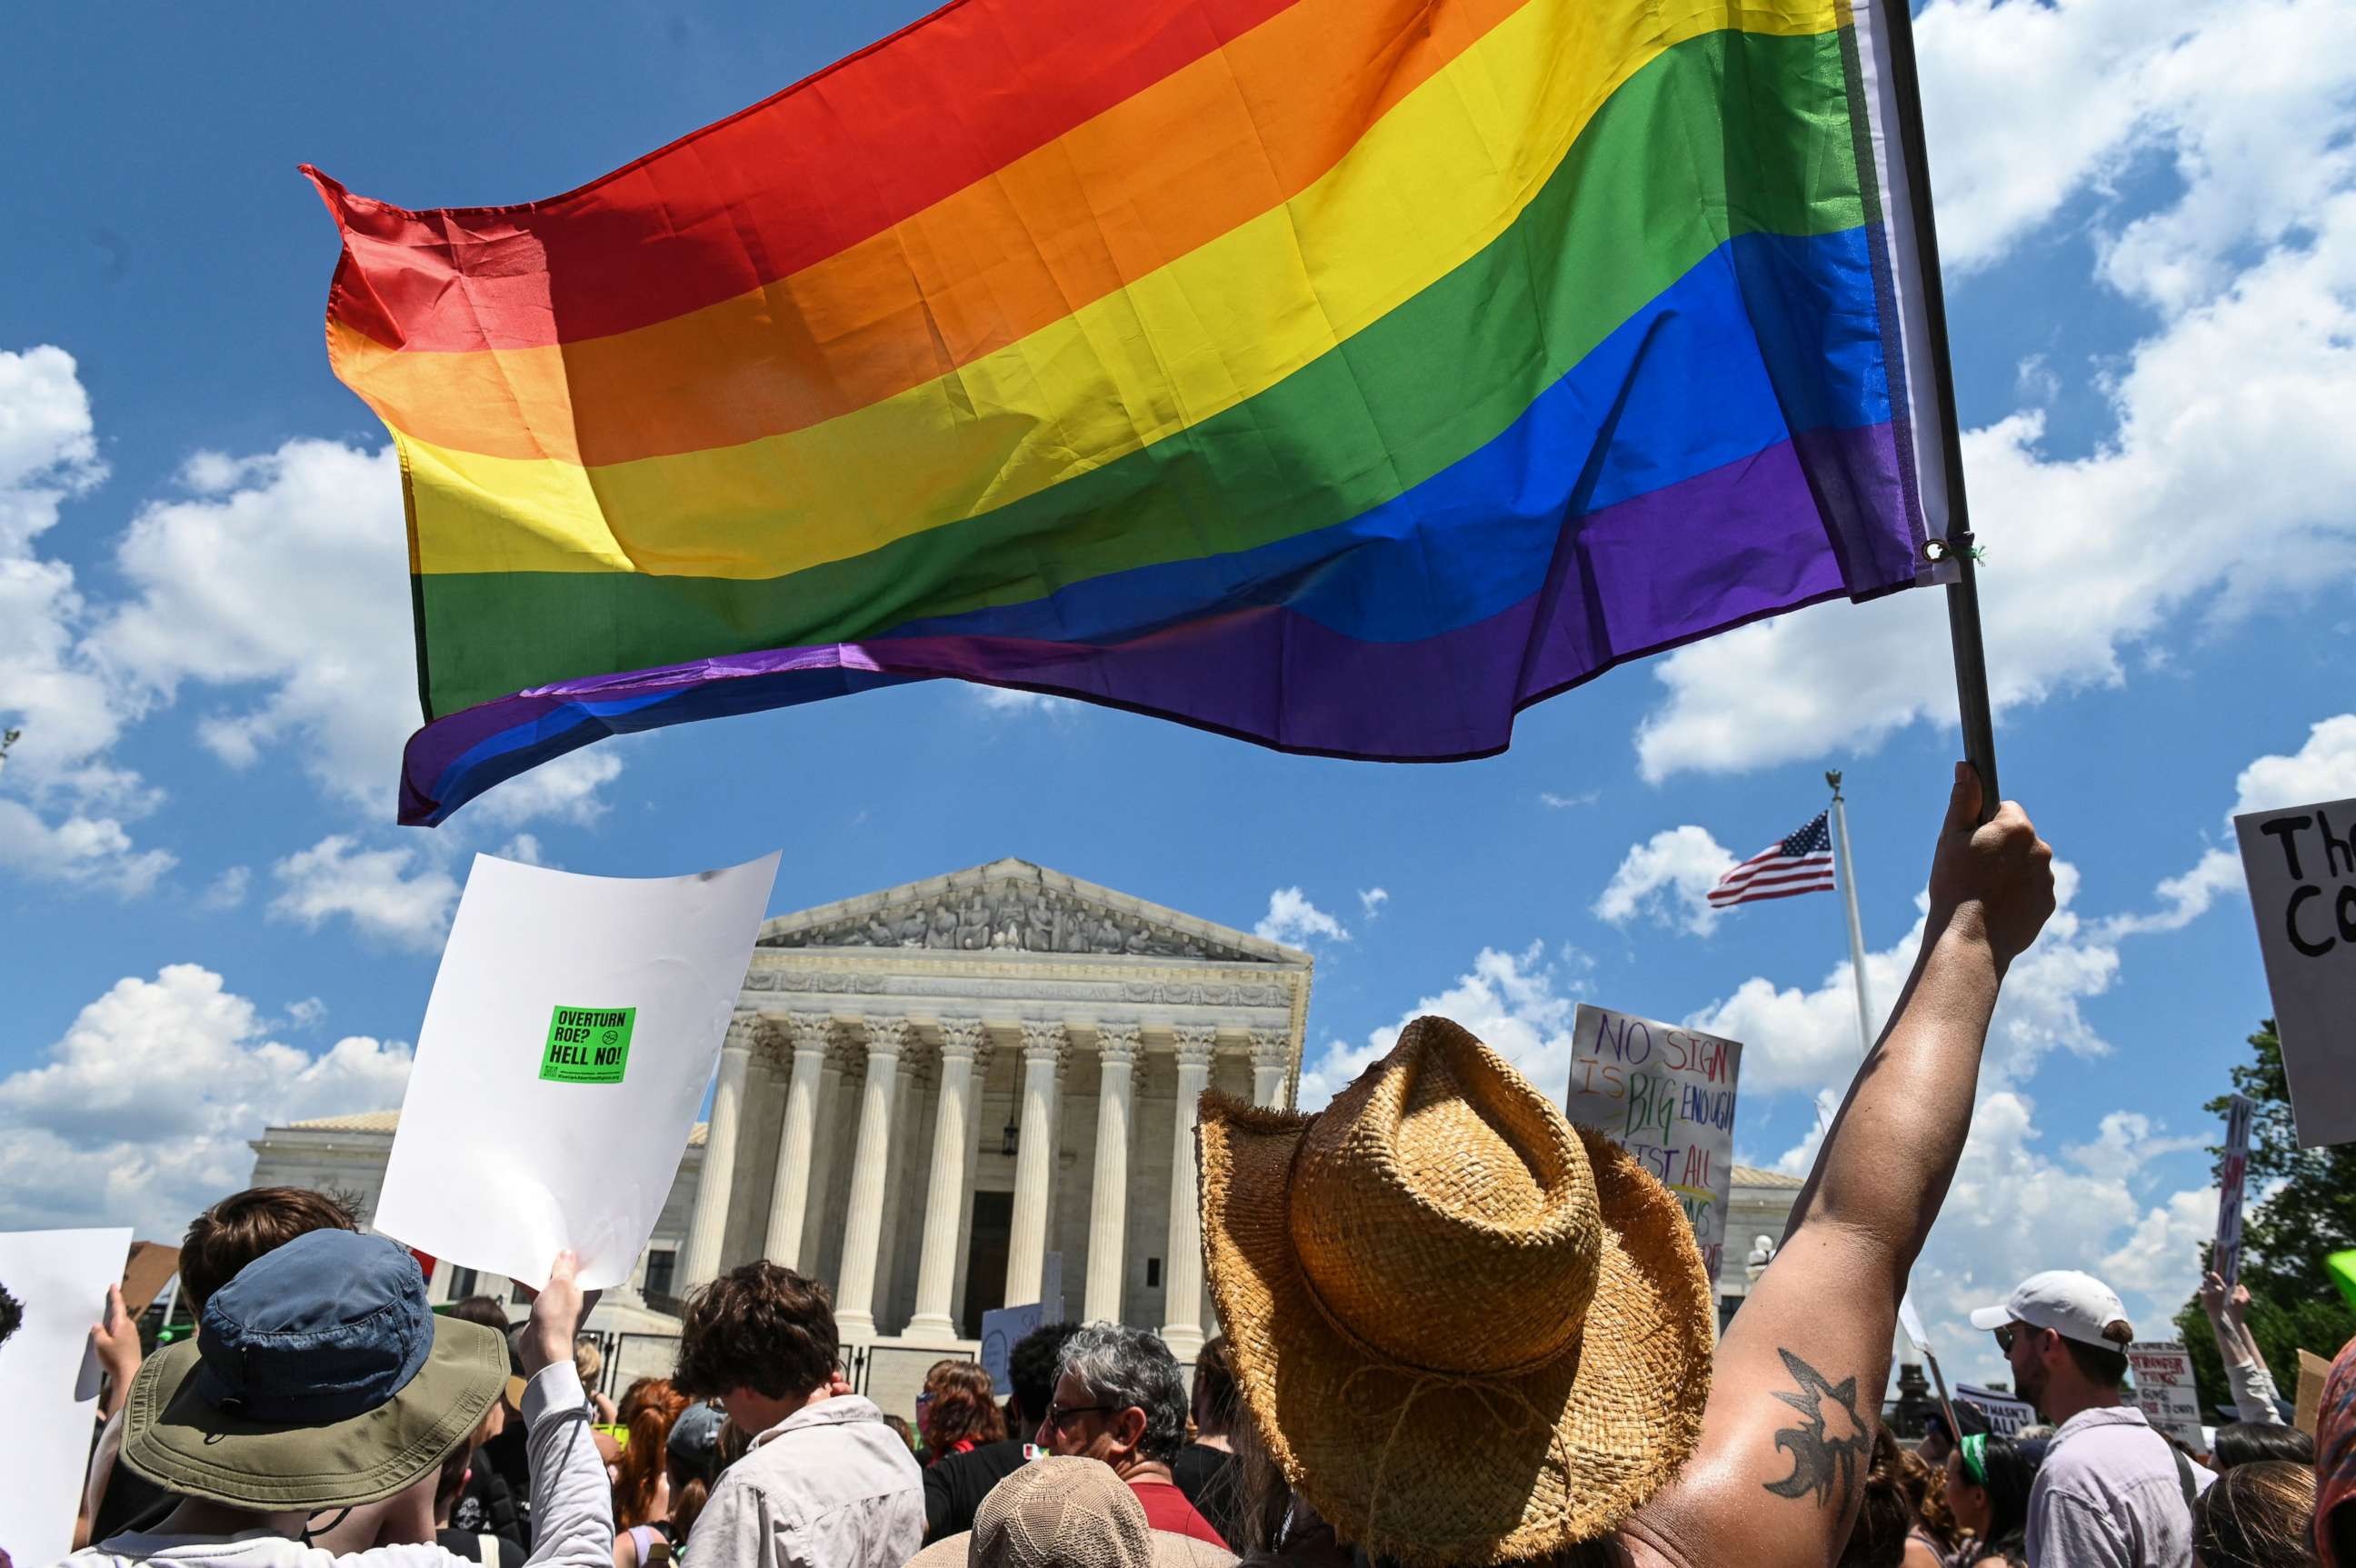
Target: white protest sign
[1665,1095]
[2225,1257]
[2164,1388]
[2301,864]
[1003,1328]
[572,1027]
[48,1380]
[2006,1415]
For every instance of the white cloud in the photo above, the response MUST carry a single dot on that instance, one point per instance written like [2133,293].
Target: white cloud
[2216,874]
[1568,802]
[387,894]
[2234,408]
[563,790]
[1293,920]
[68,826]
[306,1014]
[91,851]
[1668,878]
[2322,769]
[227,890]
[1520,1005]
[1005,702]
[524,848]
[283,574]
[141,1113]
[2014,1209]
[2247,97]
[1371,901]
[1802,1039]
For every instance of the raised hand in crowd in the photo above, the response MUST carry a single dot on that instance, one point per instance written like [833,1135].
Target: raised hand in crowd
[115,1340]
[1788,1432]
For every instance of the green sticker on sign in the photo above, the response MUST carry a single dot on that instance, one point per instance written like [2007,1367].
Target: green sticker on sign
[587,1045]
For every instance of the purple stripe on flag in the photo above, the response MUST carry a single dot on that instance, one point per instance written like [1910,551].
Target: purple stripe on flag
[1752,539]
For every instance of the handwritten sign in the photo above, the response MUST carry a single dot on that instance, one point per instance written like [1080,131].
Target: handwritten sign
[2163,1376]
[1665,1095]
[2301,864]
[2226,1256]
[2006,1415]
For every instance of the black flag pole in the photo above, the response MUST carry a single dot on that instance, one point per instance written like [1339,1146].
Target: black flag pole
[1963,593]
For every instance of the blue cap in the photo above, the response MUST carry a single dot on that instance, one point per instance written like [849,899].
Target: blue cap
[695,1435]
[327,1327]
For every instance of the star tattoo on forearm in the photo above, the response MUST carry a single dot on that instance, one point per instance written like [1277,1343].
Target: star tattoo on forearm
[1831,1441]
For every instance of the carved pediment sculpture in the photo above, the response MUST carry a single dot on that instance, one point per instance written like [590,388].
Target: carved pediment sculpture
[1017,909]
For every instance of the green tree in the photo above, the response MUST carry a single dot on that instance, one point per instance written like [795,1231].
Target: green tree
[2309,1215]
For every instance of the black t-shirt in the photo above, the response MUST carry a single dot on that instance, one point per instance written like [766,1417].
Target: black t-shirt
[468,1544]
[132,1502]
[1209,1477]
[487,1503]
[955,1486]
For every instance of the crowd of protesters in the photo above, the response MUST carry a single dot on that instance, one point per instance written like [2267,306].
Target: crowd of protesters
[1457,1330]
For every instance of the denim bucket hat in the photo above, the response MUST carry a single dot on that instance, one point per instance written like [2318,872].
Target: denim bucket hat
[318,1377]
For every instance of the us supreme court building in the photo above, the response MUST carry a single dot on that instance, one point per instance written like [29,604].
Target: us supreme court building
[927,1092]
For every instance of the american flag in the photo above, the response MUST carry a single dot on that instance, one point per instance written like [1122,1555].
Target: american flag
[1800,863]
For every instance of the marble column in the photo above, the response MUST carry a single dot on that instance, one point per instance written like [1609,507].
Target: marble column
[1270,1053]
[1034,1160]
[1108,1202]
[1181,1328]
[863,1230]
[825,1166]
[798,1140]
[700,1263]
[945,1195]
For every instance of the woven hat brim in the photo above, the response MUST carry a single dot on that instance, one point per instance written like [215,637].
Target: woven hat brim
[172,1436]
[1431,1472]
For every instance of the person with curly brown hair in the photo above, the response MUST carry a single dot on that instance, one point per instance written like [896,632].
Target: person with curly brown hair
[958,1411]
[825,1483]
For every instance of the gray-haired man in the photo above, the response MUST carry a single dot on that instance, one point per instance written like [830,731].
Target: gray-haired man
[1121,1398]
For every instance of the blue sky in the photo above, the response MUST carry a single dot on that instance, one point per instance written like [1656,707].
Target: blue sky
[207,920]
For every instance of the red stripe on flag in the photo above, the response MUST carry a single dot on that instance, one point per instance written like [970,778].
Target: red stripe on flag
[834,159]
[1785,893]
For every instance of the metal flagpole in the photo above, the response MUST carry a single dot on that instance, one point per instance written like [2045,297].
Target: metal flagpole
[1846,871]
[1963,593]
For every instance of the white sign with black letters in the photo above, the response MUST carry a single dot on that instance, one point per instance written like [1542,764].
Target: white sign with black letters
[2301,864]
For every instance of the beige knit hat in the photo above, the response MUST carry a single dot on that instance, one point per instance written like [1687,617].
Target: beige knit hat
[1066,1514]
[1469,1332]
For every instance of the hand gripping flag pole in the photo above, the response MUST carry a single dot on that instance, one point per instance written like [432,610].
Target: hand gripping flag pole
[1963,593]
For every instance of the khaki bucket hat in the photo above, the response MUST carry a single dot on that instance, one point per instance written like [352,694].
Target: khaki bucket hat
[1468,1331]
[318,1377]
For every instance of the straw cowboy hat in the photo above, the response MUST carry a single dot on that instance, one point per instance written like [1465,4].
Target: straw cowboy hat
[1468,1331]
[318,1377]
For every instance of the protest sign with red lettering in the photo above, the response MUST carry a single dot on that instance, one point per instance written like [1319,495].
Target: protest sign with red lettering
[1665,1095]
[2301,864]
[2226,1257]
[2164,1388]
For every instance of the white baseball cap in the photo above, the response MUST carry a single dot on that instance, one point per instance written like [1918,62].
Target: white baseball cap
[2075,1306]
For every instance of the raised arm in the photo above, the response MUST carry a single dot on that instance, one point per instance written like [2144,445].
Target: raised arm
[2245,1366]
[1796,1389]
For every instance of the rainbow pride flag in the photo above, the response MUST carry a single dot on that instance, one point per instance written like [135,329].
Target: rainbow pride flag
[1341,375]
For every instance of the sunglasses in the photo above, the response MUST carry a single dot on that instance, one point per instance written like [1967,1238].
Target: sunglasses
[1059,1415]
[2009,1333]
